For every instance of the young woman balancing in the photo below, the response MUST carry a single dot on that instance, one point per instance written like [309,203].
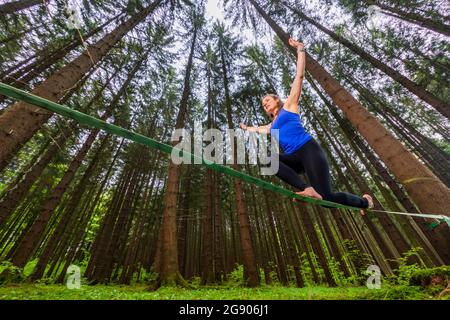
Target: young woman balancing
[301,152]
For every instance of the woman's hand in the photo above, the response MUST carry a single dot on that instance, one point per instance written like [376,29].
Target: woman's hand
[296,44]
[243,126]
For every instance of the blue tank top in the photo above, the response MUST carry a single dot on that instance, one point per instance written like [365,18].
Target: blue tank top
[291,135]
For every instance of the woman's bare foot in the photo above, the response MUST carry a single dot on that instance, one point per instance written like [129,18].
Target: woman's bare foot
[370,200]
[310,192]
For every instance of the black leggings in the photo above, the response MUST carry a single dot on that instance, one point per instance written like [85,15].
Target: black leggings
[311,159]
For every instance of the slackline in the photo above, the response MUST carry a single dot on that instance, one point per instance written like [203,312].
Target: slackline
[88,120]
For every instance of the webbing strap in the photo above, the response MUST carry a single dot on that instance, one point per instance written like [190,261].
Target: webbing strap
[88,120]
[421,215]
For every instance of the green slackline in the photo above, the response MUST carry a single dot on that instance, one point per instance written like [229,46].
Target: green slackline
[85,119]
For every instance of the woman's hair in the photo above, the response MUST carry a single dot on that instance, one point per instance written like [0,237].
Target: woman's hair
[274,96]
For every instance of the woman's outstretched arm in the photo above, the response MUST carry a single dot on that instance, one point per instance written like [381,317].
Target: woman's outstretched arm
[260,129]
[291,103]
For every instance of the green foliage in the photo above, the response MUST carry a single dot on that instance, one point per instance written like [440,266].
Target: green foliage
[414,281]
[134,6]
[115,292]
[405,270]
[144,276]
[236,277]
[445,146]
[425,277]
[306,270]
[10,273]
[29,267]
[431,280]
[337,272]
[400,293]
[155,92]
[359,260]
[2,187]
[273,274]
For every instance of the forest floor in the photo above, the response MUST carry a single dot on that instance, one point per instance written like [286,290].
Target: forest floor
[140,292]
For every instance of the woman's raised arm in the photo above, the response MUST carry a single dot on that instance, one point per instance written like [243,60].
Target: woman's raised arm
[291,103]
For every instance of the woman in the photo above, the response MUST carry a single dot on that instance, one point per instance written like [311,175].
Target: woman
[301,152]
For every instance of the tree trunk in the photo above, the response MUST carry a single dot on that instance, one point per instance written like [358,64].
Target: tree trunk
[332,241]
[107,218]
[49,57]
[248,254]
[34,235]
[27,246]
[105,266]
[15,195]
[87,212]
[219,243]
[63,99]
[183,226]
[281,266]
[263,235]
[293,254]
[315,243]
[55,238]
[208,231]
[413,18]
[103,237]
[20,122]
[16,6]
[168,264]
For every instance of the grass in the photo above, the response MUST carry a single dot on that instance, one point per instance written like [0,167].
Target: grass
[140,292]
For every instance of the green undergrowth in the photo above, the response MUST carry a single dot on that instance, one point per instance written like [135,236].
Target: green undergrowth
[140,292]
[409,282]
